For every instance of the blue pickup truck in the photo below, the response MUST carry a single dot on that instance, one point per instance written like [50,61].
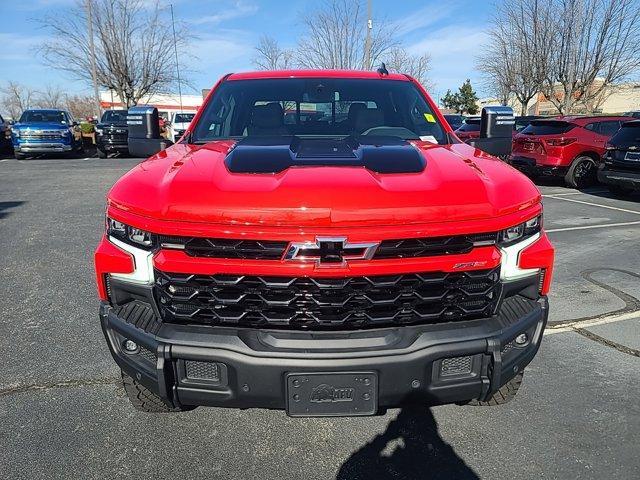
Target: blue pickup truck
[44,132]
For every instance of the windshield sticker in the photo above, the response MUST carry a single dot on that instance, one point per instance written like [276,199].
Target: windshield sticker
[429,118]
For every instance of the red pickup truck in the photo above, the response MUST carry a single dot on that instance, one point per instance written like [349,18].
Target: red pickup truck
[334,264]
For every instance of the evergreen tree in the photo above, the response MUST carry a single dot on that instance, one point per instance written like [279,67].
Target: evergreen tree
[451,101]
[467,99]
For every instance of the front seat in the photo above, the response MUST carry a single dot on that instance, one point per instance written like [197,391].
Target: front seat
[267,120]
[347,126]
[368,118]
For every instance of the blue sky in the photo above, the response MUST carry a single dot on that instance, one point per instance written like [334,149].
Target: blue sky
[227,30]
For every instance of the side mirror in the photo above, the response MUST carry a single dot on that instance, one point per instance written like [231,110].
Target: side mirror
[496,131]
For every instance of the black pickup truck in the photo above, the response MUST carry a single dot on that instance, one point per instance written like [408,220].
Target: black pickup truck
[112,133]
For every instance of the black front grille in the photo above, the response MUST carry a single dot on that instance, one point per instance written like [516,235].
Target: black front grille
[274,250]
[225,248]
[325,303]
[41,136]
[115,137]
[427,247]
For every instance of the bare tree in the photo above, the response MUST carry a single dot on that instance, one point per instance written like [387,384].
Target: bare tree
[334,37]
[515,59]
[270,56]
[595,45]
[134,46]
[398,60]
[51,97]
[17,98]
[81,106]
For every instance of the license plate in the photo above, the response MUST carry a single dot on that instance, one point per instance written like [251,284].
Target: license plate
[332,394]
[632,156]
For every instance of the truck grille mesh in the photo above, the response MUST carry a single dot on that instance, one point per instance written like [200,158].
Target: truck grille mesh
[224,248]
[325,303]
[40,136]
[274,250]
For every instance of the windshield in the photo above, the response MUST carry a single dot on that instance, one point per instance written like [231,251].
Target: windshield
[470,125]
[115,116]
[547,127]
[318,107]
[454,119]
[35,116]
[628,135]
[521,123]
[183,117]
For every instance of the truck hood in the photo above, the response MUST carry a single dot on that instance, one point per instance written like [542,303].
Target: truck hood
[42,126]
[190,183]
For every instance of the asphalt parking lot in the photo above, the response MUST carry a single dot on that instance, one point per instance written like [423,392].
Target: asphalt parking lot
[62,413]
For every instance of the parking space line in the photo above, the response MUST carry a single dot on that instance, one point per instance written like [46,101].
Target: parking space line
[589,227]
[574,193]
[582,324]
[594,204]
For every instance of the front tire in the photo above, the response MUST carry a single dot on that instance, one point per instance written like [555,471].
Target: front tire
[20,156]
[505,393]
[145,400]
[582,173]
[101,153]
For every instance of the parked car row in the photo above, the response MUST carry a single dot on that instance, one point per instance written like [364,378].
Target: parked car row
[54,131]
[581,149]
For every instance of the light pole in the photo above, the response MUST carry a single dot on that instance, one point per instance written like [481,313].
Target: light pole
[367,43]
[92,51]
[175,50]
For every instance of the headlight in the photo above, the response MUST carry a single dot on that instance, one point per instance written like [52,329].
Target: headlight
[16,132]
[99,131]
[131,235]
[520,232]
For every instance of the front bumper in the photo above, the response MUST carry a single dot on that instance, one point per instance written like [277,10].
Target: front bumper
[528,166]
[619,177]
[41,147]
[107,144]
[248,368]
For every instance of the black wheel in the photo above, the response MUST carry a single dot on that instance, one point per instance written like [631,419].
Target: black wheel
[101,153]
[145,400]
[505,394]
[20,156]
[620,191]
[582,173]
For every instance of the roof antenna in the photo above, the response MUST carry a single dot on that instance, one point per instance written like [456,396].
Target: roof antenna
[382,70]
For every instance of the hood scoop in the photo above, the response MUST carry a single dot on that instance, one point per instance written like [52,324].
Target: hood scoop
[266,154]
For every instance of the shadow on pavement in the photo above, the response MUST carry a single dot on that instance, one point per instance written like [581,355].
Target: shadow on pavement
[410,448]
[7,206]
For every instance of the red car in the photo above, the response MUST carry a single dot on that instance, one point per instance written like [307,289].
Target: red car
[470,129]
[570,147]
[327,266]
